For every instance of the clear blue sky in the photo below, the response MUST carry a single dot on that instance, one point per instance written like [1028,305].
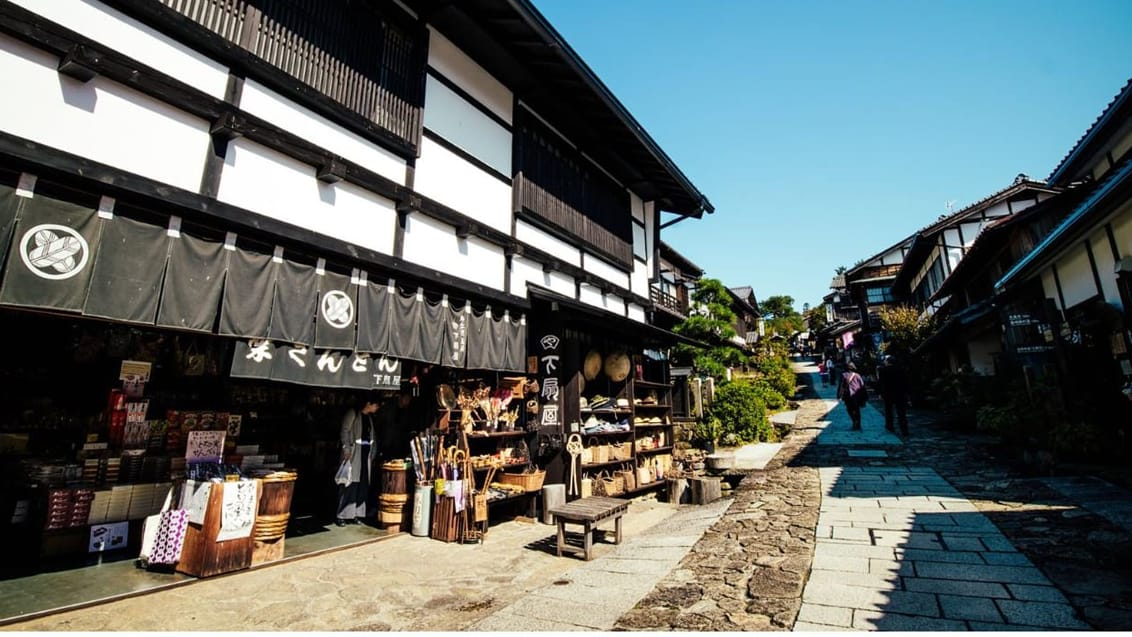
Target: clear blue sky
[825,131]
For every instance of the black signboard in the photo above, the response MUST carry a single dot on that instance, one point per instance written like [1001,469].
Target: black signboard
[306,365]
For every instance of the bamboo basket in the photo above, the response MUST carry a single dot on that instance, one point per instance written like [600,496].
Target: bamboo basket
[528,481]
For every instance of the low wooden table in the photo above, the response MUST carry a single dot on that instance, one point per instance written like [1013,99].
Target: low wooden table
[588,512]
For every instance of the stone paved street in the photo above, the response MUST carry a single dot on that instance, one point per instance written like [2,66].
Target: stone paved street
[936,532]
[840,530]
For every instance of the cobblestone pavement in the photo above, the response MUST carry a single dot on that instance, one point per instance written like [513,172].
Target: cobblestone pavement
[750,570]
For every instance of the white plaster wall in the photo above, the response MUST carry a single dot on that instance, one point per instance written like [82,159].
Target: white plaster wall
[636,312]
[637,206]
[1123,145]
[275,185]
[1019,206]
[434,244]
[462,124]
[1102,254]
[981,352]
[639,280]
[892,257]
[1076,276]
[615,304]
[446,177]
[261,101]
[590,295]
[454,64]
[524,271]
[560,283]
[1122,231]
[1049,287]
[998,210]
[971,230]
[548,243]
[100,120]
[128,36]
[605,270]
[954,251]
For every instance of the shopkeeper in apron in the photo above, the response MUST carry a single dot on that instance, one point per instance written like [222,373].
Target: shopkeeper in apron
[357,439]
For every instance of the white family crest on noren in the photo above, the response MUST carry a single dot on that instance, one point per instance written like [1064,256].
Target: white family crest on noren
[53,251]
[337,309]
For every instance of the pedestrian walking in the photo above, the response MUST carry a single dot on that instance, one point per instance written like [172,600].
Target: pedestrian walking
[830,369]
[894,390]
[851,390]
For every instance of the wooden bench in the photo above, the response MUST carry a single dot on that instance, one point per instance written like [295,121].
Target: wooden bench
[588,512]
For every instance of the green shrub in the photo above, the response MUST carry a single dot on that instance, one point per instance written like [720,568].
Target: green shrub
[770,397]
[741,412]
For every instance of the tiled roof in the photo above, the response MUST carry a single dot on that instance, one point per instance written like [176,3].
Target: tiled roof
[1122,96]
[1071,223]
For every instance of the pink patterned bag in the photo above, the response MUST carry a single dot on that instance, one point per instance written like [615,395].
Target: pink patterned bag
[162,546]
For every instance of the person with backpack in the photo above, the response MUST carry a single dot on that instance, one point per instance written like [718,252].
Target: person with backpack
[851,390]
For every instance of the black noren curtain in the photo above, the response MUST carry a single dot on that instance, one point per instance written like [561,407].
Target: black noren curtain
[296,301]
[337,312]
[374,302]
[194,283]
[248,294]
[51,254]
[129,267]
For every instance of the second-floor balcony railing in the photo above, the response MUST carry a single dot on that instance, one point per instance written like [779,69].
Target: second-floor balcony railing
[668,302]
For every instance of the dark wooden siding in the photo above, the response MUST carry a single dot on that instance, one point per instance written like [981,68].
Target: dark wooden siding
[365,61]
[560,187]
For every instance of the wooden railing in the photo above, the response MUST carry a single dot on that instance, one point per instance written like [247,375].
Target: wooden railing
[345,51]
[668,302]
[550,209]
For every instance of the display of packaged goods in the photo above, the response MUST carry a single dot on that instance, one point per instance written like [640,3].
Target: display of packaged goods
[245,450]
[99,507]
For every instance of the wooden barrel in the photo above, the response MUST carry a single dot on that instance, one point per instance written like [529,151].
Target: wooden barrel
[274,505]
[391,508]
[394,477]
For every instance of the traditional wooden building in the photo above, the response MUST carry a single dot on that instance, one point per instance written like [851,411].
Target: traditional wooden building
[939,248]
[342,194]
[1067,303]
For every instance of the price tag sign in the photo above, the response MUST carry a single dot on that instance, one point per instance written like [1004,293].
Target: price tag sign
[135,371]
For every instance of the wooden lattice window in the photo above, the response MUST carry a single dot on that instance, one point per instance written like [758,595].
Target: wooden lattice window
[370,62]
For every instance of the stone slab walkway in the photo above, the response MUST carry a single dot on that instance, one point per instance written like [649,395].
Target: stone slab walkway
[898,548]
[594,595]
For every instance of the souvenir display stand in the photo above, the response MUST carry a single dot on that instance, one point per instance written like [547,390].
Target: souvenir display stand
[625,423]
[477,455]
[206,552]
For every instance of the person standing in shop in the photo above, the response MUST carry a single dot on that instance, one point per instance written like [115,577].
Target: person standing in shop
[357,437]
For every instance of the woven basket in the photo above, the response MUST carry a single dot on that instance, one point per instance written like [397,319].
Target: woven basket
[621,451]
[528,481]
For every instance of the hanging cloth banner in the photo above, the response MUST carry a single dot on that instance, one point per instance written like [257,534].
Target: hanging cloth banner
[10,205]
[485,349]
[296,302]
[194,283]
[456,336]
[126,281]
[246,309]
[337,312]
[515,336]
[50,254]
[320,368]
[416,328]
[373,318]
